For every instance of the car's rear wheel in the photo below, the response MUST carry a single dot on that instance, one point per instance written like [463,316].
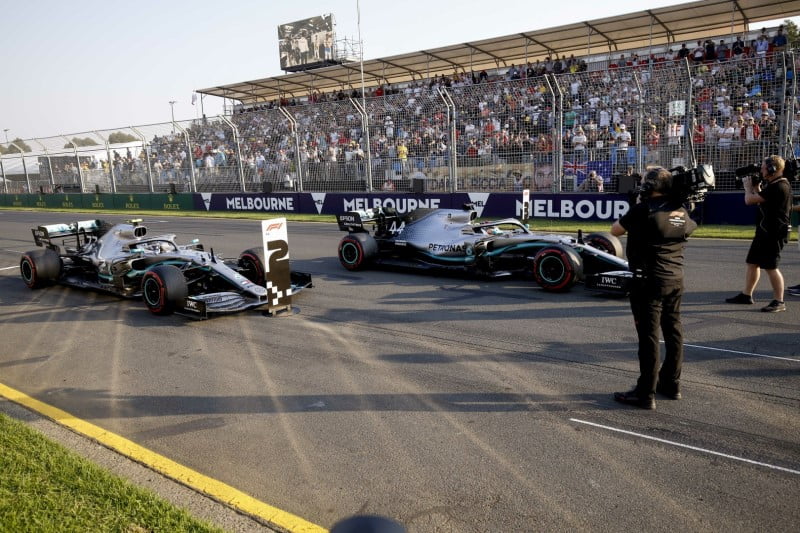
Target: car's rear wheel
[605,242]
[39,268]
[252,265]
[164,289]
[357,250]
[557,268]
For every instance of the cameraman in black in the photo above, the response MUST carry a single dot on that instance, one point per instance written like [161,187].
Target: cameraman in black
[658,226]
[773,196]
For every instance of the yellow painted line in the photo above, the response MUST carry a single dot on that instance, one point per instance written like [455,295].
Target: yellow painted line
[195,480]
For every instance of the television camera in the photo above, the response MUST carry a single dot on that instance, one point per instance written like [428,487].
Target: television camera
[692,185]
[754,171]
[688,186]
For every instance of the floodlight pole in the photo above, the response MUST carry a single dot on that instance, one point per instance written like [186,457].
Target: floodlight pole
[172,112]
[5,130]
[368,158]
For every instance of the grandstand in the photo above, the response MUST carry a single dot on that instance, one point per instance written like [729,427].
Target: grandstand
[537,110]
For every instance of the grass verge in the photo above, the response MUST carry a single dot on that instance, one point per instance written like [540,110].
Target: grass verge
[46,488]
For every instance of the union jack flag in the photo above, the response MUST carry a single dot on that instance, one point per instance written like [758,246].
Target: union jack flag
[574,168]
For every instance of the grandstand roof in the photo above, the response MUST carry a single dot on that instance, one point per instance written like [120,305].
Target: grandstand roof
[652,27]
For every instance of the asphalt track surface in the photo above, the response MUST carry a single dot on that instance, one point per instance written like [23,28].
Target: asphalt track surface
[448,404]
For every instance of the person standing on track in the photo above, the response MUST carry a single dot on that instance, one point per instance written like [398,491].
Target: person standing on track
[773,196]
[657,226]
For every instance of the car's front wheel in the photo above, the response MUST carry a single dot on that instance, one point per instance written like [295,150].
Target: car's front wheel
[356,250]
[606,242]
[252,265]
[39,268]
[164,289]
[557,268]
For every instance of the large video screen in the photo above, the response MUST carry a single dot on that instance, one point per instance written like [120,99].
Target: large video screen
[306,42]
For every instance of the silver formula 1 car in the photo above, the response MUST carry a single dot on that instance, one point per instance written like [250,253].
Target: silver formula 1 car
[452,239]
[124,260]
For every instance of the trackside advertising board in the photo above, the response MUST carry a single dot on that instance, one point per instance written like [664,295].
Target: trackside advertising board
[276,263]
[718,208]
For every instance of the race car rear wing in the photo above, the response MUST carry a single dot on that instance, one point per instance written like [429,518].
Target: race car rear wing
[43,235]
[353,221]
[385,220]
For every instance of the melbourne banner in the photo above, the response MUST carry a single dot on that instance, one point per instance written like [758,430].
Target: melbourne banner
[719,208]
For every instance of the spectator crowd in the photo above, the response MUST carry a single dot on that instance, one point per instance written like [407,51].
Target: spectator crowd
[729,108]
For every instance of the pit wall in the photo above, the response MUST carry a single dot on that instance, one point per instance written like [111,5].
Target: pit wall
[718,208]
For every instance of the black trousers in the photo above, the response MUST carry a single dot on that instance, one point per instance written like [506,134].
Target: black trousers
[658,306]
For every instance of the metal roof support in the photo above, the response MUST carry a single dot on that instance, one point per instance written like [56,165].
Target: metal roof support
[550,51]
[640,144]
[603,35]
[77,161]
[3,175]
[496,58]
[24,167]
[789,88]
[235,131]
[49,164]
[791,108]
[108,155]
[589,43]
[192,183]
[362,111]
[689,118]
[429,54]
[297,160]
[745,20]
[451,121]
[558,139]
[670,35]
[146,148]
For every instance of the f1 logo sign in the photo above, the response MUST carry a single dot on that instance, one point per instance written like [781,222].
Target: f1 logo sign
[278,272]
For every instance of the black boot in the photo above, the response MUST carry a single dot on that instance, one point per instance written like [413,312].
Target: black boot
[633,398]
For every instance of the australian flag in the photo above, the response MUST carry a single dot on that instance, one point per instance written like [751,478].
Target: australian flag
[581,169]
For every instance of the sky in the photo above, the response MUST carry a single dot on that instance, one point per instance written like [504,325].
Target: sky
[74,67]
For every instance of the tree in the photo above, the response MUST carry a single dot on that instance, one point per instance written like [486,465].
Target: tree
[792,33]
[13,149]
[119,137]
[86,141]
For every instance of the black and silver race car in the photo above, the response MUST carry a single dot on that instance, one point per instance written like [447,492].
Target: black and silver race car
[452,239]
[123,259]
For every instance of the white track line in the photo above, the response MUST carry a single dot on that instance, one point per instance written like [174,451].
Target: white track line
[8,268]
[742,353]
[695,448]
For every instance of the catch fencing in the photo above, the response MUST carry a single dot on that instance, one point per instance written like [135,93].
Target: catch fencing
[543,133]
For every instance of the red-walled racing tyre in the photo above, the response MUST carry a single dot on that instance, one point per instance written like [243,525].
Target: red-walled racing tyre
[253,266]
[357,250]
[605,242]
[40,268]
[164,289]
[557,268]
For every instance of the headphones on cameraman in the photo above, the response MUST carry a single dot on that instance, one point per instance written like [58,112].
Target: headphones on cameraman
[770,164]
[647,188]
